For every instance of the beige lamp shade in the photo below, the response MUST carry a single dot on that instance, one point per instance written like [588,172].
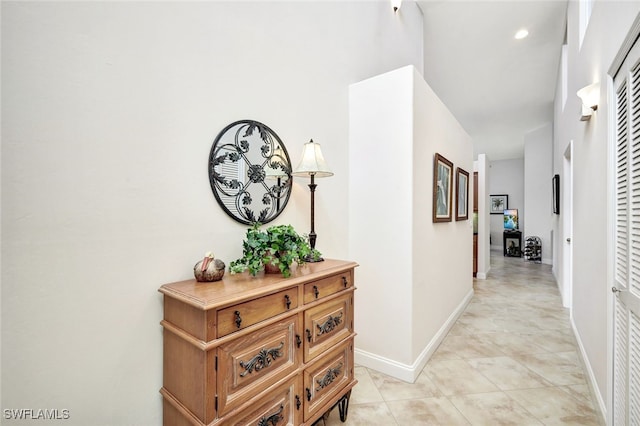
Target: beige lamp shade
[312,162]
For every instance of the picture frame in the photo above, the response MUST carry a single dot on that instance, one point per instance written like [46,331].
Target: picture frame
[462,194]
[498,203]
[555,185]
[442,189]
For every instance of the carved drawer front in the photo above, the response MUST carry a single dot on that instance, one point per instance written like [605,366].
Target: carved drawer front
[327,286]
[326,324]
[250,364]
[324,380]
[243,315]
[281,407]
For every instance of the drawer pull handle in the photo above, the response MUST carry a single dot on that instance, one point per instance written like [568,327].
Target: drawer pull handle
[298,340]
[328,378]
[308,335]
[315,291]
[238,319]
[345,282]
[287,301]
[330,324]
[308,394]
[261,360]
[298,403]
[273,419]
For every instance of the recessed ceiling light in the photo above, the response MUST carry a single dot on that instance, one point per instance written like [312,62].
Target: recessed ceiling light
[521,34]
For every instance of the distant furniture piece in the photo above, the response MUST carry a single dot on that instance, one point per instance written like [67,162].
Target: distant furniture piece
[533,249]
[475,255]
[512,241]
[475,224]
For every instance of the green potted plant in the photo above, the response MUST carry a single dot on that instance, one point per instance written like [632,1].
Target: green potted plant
[274,249]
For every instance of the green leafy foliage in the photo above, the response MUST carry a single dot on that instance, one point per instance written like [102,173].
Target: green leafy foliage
[278,245]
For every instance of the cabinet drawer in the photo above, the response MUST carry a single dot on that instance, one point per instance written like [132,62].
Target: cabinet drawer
[327,286]
[281,407]
[324,380]
[254,362]
[243,315]
[326,325]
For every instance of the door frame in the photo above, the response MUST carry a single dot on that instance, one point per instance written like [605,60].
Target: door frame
[611,200]
[567,228]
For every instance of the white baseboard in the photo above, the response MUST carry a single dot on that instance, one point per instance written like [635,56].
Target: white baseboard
[592,378]
[384,365]
[405,372]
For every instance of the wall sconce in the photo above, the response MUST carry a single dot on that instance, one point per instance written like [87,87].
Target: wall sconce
[396,4]
[313,165]
[590,95]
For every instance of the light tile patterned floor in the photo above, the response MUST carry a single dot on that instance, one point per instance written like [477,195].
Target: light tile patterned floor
[510,359]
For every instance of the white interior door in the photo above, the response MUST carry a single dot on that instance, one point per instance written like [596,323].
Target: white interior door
[566,212]
[626,308]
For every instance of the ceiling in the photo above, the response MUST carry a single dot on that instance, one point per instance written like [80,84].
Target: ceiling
[498,88]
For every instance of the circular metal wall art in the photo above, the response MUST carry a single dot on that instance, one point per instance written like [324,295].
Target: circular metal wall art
[250,172]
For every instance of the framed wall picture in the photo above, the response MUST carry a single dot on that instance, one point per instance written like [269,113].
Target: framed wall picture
[498,203]
[442,189]
[462,194]
[555,184]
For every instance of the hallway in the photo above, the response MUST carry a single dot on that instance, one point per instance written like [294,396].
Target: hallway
[511,358]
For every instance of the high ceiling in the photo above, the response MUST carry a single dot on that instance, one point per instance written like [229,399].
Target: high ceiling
[499,88]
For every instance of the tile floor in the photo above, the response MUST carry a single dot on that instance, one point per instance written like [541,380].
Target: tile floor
[510,358]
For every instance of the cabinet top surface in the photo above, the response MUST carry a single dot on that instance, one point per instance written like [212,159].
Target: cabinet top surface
[236,287]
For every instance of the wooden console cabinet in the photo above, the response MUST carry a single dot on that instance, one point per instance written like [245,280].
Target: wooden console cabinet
[262,350]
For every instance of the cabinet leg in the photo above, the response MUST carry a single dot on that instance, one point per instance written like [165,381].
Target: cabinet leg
[343,409]
[343,406]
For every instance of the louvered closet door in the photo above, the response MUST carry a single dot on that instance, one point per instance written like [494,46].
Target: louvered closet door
[626,387]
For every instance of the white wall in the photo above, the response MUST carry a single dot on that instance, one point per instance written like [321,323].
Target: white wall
[538,167]
[609,24]
[380,213]
[415,275]
[442,252]
[506,177]
[109,110]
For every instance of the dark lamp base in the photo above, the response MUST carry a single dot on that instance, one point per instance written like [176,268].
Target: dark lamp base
[311,259]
